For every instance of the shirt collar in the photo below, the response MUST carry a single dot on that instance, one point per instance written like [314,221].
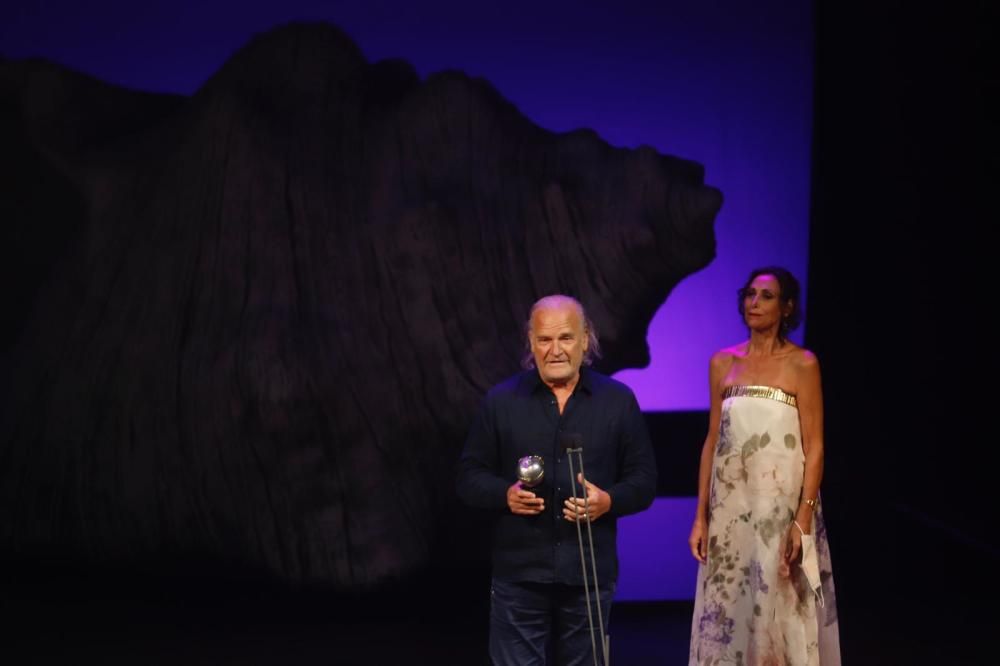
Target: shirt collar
[532,382]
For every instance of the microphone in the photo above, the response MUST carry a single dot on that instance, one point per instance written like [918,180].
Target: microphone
[571,441]
[573,444]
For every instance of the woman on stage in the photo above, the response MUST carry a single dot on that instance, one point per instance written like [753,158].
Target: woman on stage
[765,586]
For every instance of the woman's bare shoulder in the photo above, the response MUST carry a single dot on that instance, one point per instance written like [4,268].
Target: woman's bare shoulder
[739,350]
[723,358]
[804,362]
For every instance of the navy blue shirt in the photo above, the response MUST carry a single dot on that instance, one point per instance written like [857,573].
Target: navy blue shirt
[520,417]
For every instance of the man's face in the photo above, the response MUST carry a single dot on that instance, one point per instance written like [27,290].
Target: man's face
[558,342]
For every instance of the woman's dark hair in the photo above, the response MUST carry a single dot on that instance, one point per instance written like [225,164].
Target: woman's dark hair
[789,293]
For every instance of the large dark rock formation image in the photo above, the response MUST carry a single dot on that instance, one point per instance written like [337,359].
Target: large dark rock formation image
[253,324]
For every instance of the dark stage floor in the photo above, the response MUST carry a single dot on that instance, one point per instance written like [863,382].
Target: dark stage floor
[140,634]
[257,631]
[910,604]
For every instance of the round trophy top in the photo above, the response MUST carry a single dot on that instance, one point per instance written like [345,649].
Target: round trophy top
[530,470]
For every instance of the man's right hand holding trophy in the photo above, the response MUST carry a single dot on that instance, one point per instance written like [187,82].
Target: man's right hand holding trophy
[520,498]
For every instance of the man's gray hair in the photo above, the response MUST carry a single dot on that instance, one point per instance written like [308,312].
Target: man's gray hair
[554,301]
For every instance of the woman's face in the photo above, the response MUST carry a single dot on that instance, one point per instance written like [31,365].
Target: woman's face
[762,308]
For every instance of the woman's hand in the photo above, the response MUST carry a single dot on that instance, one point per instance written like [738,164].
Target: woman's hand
[699,540]
[791,550]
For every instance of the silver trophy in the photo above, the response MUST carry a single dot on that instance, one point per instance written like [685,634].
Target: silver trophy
[530,471]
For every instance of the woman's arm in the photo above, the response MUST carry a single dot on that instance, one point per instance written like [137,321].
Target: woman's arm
[717,369]
[810,402]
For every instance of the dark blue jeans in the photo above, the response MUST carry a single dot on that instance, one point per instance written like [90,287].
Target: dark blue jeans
[541,623]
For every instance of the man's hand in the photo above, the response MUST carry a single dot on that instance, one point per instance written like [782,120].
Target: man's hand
[524,502]
[598,502]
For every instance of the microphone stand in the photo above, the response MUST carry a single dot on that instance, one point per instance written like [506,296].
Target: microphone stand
[605,640]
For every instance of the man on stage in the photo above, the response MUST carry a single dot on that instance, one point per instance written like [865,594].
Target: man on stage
[539,605]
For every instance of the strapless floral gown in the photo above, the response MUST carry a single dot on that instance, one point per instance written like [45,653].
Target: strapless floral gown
[745,612]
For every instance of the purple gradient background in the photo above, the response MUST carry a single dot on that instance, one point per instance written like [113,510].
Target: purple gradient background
[654,560]
[726,83]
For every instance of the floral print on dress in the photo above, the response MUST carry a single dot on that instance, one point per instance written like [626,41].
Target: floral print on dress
[716,629]
[746,613]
